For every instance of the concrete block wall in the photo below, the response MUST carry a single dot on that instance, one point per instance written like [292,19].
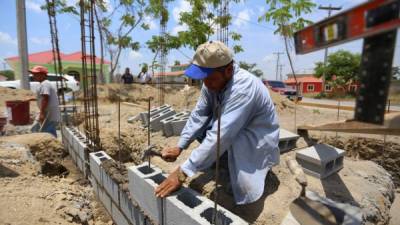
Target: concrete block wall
[139,206]
[183,207]
[320,160]
[287,140]
[178,125]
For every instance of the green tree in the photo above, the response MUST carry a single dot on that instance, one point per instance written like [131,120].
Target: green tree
[8,73]
[288,17]
[343,65]
[115,24]
[251,67]
[177,63]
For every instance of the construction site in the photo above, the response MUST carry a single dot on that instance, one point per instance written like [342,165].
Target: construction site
[337,164]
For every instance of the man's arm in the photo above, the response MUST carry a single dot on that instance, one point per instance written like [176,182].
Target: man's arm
[197,123]
[43,107]
[235,114]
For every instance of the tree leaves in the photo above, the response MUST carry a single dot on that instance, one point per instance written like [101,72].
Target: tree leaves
[342,67]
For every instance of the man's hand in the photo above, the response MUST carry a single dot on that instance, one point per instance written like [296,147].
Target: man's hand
[169,185]
[42,117]
[170,154]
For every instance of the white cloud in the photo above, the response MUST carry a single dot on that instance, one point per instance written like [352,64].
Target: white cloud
[268,58]
[134,55]
[178,28]
[152,24]
[34,6]
[183,6]
[6,38]
[243,17]
[40,40]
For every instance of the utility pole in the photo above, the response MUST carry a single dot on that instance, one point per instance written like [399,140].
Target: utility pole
[22,44]
[329,9]
[277,63]
[280,71]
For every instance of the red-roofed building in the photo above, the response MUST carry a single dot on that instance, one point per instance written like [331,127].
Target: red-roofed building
[71,63]
[307,83]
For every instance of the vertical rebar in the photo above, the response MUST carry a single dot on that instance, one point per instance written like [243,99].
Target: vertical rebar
[217,163]
[148,127]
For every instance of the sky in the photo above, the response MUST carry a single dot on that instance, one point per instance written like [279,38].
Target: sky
[258,39]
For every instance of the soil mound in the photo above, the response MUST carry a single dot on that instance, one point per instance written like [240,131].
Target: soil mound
[7,94]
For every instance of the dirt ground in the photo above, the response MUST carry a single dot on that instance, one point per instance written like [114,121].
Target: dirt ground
[27,197]
[361,183]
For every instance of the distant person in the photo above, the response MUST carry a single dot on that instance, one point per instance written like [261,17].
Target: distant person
[47,101]
[144,76]
[127,77]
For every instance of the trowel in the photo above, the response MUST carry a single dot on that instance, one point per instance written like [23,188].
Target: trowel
[149,152]
[305,210]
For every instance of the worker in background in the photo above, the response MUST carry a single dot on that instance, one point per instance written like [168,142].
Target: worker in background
[127,77]
[249,126]
[144,76]
[47,101]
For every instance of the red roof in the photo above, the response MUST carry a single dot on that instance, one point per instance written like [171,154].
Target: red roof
[47,57]
[304,79]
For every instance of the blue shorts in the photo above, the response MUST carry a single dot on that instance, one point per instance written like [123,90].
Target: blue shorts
[49,127]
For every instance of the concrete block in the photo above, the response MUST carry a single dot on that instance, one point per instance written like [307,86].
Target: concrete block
[155,121]
[166,123]
[131,211]
[134,118]
[348,214]
[95,186]
[80,164]
[117,216]
[178,125]
[110,186]
[287,140]
[142,182]
[105,199]
[95,159]
[181,208]
[320,160]
[153,112]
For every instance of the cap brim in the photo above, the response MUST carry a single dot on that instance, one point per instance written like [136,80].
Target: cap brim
[197,72]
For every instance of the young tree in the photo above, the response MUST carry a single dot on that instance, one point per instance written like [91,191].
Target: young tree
[288,17]
[251,67]
[342,67]
[115,24]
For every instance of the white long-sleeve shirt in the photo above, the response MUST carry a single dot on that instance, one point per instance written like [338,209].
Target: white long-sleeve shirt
[249,132]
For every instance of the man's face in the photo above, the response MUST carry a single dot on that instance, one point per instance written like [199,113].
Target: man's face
[39,77]
[217,80]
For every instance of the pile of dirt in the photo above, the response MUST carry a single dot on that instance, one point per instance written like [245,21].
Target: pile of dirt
[7,94]
[281,102]
[45,148]
[181,97]
[386,154]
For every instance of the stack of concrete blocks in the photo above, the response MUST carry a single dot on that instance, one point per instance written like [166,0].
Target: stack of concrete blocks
[182,207]
[173,125]
[144,115]
[320,160]
[287,140]
[116,201]
[345,213]
[76,143]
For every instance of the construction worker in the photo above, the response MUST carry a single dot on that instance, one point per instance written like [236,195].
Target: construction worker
[47,101]
[127,77]
[144,76]
[249,132]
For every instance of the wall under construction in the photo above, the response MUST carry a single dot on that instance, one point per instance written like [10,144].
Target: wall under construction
[138,204]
